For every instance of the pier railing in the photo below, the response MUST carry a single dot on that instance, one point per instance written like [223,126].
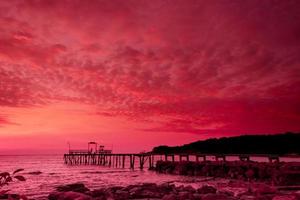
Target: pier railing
[82,157]
[80,151]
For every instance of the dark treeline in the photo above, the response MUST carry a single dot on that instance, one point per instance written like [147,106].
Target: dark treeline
[287,143]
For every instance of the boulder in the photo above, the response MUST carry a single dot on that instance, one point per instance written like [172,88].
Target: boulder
[75,187]
[216,197]
[97,193]
[247,197]
[169,197]
[285,197]
[70,195]
[35,173]
[10,196]
[184,195]
[189,189]
[263,189]
[121,195]
[206,189]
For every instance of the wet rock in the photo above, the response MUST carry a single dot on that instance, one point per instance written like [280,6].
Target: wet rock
[263,189]
[226,192]
[247,197]
[114,189]
[196,196]
[169,197]
[206,189]
[185,195]
[75,187]
[145,191]
[277,173]
[166,188]
[121,195]
[216,197]
[147,194]
[285,197]
[97,193]
[10,196]
[70,195]
[189,189]
[35,173]
[288,178]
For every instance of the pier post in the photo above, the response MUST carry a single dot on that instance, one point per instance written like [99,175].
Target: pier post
[109,161]
[123,164]
[132,161]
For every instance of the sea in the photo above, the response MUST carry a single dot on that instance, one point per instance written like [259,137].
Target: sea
[54,172]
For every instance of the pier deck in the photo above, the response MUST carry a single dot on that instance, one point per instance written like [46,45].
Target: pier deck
[120,160]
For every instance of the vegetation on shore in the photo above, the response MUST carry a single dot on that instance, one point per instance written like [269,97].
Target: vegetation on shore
[280,144]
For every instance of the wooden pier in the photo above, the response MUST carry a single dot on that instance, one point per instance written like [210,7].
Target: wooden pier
[97,155]
[148,159]
[110,160]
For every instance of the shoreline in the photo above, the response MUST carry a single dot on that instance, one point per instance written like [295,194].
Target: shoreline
[169,191]
[166,191]
[211,180]
[276,173]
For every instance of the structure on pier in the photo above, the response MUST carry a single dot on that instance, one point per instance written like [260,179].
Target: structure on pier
[92,148]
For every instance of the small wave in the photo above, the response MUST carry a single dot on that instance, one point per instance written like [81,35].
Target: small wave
[102,172]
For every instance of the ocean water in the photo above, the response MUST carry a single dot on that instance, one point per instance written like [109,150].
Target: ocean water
[55,173]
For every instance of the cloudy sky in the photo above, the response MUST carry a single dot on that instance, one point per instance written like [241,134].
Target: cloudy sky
[137,73]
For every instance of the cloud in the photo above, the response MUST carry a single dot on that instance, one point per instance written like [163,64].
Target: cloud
[199,65]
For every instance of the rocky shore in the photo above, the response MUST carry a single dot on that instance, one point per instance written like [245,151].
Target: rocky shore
[230,181]
[168,192]
[277,173]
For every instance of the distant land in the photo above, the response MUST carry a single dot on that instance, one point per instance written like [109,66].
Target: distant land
[280,144]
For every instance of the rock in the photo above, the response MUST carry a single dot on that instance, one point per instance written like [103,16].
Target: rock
[35,173]
[70,195]
[196,196]
[206,189]
[263,189]
[285,197]
[247,197]
[149,194]
[75,187]
[288,178]
[189,189]
[114,189]
[166,188]
[180,188]
[226,192]
[184,195]
[10,196]
[169,197]
[149,185]
[216,197]
[121,195]
[145,191]
[97,193]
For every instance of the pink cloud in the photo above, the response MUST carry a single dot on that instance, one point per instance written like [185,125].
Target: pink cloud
[219,67]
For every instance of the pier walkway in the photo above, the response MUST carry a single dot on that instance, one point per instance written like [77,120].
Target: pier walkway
[141,159]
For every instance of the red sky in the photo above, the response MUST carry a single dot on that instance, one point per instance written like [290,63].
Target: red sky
[139,73]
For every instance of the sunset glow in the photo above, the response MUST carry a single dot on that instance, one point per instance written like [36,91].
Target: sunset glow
[135,74]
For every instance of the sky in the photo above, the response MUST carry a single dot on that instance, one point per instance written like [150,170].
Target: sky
[135,74]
